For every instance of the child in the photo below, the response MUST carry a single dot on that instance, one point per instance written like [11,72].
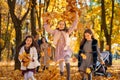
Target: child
[44,49]
[61,43]
[38,43]
[88,54]
[28,58]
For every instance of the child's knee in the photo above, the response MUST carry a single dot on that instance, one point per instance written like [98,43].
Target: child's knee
[67,59]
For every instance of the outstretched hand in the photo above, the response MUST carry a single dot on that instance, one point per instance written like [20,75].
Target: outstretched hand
[46,19]
[102,62]
[77,15]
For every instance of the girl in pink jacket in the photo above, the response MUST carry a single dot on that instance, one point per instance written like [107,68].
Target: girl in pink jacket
[61,43]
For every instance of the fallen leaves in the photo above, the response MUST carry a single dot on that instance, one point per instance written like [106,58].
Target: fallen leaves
[8,73]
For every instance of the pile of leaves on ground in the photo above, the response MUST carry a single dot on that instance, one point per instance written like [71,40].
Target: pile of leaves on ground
[7,72]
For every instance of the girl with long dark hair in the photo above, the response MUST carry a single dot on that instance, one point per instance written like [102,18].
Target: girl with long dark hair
[28,58]
[88,54]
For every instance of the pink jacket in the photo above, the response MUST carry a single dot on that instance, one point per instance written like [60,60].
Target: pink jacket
[57,33]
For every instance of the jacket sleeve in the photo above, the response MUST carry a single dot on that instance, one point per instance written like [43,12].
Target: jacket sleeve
[73,26]
[99,55]
[35,56]
[48,29]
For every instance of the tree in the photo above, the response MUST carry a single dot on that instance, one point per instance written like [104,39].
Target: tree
[4,25]
[104,26]
[33,17]
[17,25]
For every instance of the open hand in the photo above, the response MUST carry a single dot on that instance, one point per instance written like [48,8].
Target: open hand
[102,62]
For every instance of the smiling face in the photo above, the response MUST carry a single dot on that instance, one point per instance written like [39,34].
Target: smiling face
[88,36]
[28,42]
[61,25]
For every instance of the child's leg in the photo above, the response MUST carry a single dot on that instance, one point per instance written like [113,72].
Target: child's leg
[61,65]
[67,61]
[26,76]
[30,76]
[84,76]
[90,76]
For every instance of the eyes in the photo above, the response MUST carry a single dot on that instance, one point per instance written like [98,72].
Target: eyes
[87,35]
[61,23]
[28,40]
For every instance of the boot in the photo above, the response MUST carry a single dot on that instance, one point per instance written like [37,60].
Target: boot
[37,69]
[44,68]
[90,76]
[68,70]
[61,73]
[84,78]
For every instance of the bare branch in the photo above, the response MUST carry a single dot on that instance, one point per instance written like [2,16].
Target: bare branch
[25,15]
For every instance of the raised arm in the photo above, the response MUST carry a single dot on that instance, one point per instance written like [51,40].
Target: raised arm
[74,24]
[48,29]
[46,25]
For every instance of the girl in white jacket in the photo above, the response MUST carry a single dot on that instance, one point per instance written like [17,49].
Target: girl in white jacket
[28,58]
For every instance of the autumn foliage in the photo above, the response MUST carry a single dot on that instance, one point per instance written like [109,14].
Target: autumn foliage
[7,72]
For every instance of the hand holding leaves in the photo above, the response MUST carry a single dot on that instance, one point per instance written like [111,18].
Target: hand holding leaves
[83,56]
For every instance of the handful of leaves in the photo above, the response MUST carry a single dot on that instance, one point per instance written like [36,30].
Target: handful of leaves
[25,59]
[88,70]
[83,56]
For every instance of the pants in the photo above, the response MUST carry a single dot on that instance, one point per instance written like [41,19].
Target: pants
[29,75]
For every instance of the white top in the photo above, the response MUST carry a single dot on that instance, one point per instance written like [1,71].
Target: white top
[33,55]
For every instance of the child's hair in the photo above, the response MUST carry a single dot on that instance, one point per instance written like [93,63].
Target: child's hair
[65,28]
[86,31]
[23,43]
[45,40]
[35,34]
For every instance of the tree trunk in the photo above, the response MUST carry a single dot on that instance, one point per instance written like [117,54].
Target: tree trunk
[111,25]
[101,45]
[18,41]
[39,15]
[33,18]
[17,25]
[46,5]
[104,26]
[0,23]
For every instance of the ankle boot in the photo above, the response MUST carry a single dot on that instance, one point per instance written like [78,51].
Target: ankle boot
[61,73]
[84,78]
[90,76]
[44,68]
[68,70]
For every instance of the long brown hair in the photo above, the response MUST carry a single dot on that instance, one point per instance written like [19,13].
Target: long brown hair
[86,31]
[24,42]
